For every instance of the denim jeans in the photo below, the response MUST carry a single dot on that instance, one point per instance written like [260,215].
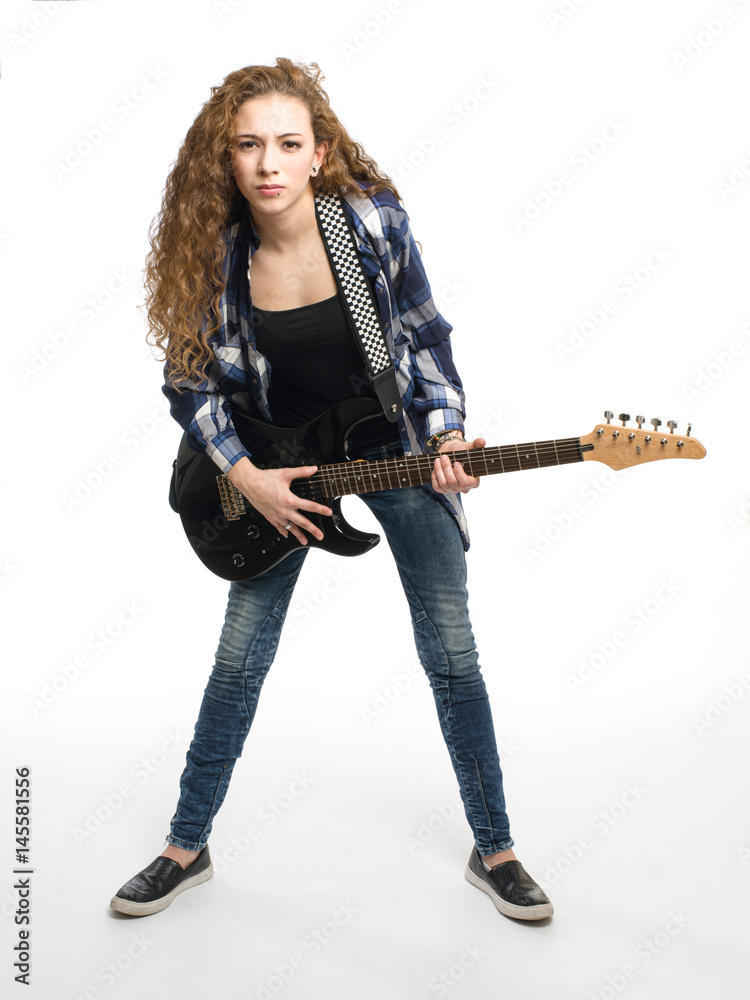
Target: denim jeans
[429,554]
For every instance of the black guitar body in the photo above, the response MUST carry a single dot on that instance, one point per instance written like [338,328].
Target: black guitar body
[244,548]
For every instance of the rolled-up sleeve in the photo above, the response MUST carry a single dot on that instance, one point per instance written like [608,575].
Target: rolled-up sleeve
[204,413]
[438,392]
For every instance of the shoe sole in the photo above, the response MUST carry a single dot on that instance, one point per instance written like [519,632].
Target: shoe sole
[133,909]
[538,912]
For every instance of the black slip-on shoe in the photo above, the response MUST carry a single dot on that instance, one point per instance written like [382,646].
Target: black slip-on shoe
[155,887]
[510,887]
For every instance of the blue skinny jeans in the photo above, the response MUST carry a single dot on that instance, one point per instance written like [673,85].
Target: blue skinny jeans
[426,544]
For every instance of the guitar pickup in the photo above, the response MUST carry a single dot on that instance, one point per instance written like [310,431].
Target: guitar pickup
[232,501]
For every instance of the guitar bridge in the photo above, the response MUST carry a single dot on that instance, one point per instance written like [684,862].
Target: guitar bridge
[232,501]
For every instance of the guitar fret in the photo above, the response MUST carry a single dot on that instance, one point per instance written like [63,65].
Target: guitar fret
[510,462]
[342,478]
[382,475]
[330,482]
[527,462]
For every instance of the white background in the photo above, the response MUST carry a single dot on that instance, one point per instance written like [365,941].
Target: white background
[628,795]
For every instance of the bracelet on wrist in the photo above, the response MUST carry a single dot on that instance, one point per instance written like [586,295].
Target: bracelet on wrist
[441,437]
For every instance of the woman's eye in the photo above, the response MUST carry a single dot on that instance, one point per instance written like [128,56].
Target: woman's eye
[289,143]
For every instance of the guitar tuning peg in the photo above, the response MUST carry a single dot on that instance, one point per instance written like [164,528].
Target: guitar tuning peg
[671,424]
[656,423]
[640,421]
[690,426]
[608,414]
[624,417]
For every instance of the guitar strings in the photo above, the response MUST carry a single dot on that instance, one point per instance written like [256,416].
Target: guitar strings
[343,478]
[517,458]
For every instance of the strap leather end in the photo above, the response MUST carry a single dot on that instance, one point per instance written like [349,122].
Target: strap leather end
[387,392]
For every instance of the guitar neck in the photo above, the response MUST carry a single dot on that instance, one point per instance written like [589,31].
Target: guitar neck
[343,478]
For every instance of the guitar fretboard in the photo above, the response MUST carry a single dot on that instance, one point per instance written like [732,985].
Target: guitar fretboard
[344,478]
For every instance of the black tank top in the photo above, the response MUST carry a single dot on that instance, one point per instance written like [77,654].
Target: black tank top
[316,363]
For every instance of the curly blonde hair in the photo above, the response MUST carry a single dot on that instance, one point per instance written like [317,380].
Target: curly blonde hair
[184,269]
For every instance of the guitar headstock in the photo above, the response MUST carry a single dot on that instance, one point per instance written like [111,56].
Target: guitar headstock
[621,447]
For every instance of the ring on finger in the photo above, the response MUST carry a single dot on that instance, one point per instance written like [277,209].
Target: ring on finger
[288,526]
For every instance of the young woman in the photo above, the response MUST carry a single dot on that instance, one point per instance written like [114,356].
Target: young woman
[243,301]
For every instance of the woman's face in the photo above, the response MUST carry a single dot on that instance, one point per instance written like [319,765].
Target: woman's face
[274,153]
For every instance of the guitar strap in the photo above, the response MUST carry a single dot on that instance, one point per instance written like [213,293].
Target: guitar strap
[340,241]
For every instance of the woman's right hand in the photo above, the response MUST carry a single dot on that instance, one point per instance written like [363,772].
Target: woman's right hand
[269,493]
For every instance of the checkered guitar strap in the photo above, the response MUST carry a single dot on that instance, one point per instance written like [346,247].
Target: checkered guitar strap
[341,245]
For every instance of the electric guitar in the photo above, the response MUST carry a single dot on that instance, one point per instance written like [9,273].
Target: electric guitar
[237,543]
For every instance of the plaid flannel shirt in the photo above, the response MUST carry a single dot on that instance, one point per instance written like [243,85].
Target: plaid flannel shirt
[417,336]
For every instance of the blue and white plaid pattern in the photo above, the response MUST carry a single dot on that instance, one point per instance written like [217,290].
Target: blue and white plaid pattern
[416,334]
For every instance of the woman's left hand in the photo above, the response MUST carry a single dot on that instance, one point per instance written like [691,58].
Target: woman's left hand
[448,476]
